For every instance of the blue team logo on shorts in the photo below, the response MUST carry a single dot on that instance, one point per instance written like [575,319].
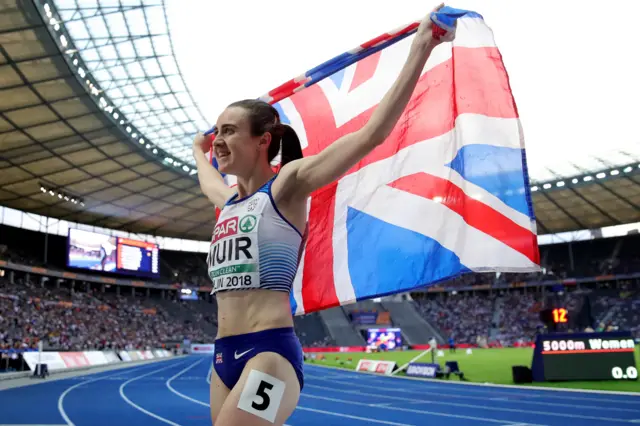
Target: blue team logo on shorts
[219,358]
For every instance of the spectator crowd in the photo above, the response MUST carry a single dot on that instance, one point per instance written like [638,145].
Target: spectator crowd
[68,318]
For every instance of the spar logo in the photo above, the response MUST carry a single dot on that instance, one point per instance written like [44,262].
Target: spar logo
[229,244]
[247,223]
[225,228]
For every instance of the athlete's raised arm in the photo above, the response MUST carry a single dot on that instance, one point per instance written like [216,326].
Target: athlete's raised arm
[211,182]
[301,177]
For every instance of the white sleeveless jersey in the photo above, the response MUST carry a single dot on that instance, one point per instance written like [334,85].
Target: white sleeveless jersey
[253,246]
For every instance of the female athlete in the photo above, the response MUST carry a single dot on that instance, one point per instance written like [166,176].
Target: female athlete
[258,238]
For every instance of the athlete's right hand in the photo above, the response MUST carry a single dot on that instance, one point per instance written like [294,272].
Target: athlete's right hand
[424,35]
[202,143]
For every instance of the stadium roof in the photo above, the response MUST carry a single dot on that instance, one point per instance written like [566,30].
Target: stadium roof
[591,200]
[58,143]
[94,110]
[126,46]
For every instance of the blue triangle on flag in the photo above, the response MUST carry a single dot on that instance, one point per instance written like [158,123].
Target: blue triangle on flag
[283,117]
[338,77]
[387,259]
[497,170]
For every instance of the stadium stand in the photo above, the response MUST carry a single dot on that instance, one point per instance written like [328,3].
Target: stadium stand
[340,328]
[66,319]
[595,276]
[76,315]
[414,328]
[472,308]
[367,313]
[312,331]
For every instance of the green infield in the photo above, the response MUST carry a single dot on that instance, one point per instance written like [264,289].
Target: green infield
[482,366]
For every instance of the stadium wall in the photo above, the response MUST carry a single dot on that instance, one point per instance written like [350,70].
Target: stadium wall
[62,362]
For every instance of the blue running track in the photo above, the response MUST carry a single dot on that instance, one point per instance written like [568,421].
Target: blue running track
[176,392]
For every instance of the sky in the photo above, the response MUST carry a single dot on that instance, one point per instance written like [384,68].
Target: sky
[574,77]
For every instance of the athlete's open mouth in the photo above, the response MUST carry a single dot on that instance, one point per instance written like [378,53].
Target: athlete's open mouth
[222,154]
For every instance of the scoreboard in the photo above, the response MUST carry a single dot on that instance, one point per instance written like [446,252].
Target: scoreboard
[555,319]
[137,256]
[384,338]
[107,253]
[584,356]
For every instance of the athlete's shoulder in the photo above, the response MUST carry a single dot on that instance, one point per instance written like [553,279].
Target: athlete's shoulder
[284,187]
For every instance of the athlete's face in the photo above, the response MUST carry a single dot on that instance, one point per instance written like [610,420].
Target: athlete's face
[235,148]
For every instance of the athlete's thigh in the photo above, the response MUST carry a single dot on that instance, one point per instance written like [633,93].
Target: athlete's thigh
[266,394]
[218,393]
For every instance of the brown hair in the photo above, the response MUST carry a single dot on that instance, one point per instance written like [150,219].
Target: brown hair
[265,118]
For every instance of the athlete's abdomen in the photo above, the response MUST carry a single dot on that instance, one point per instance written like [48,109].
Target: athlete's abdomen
[242,312]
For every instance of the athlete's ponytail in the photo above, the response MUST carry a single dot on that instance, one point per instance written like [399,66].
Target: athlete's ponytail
[284,141]
[291,149]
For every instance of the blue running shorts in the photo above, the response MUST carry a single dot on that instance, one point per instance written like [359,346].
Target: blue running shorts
[233,352]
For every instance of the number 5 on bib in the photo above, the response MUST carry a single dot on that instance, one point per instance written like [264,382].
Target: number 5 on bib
[262,395]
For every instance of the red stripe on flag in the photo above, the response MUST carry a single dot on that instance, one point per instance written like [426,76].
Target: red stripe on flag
[365,70]
[317,278]
[375,41]
[478,84]
[285,87]
[474,212]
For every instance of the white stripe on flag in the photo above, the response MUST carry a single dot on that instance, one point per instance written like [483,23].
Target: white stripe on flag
[473,32]
[477,250]
[430,156]
[295,120]
[347,104]
[347,79]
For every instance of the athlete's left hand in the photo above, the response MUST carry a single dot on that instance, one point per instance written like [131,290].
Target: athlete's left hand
[202,143]
[424,36]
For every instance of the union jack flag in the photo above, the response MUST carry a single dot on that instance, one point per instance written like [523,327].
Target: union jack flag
[446,194]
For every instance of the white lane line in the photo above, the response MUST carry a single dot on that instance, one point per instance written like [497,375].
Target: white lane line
[436,383]
[209,372]
[514,399]
[480,407]
[188,398]
[349,416]
[180,394]
[70,388]
[409,410]
[139,408]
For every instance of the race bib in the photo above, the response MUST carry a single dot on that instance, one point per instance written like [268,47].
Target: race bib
[233,255]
